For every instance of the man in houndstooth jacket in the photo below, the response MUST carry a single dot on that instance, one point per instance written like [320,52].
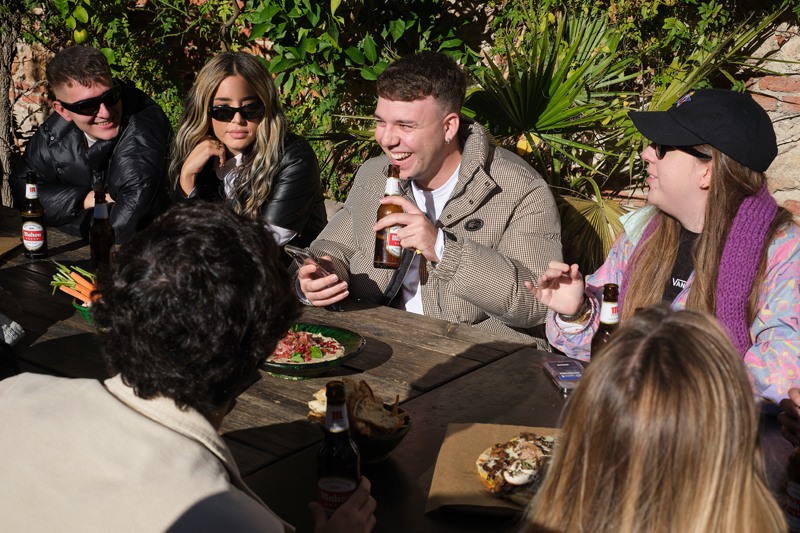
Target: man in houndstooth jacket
[478,220]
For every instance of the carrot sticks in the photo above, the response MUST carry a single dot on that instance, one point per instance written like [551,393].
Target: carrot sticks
[79,284]
[72,292]
[77,277]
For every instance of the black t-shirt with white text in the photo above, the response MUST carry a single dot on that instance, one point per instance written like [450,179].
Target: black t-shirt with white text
[683,267]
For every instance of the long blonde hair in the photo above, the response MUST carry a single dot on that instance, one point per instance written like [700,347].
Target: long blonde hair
[253,183]
[661,435]
[731,183]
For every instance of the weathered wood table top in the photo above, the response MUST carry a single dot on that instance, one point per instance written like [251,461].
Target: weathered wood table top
[406,355]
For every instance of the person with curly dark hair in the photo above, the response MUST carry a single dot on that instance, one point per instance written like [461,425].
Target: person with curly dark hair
[190,309]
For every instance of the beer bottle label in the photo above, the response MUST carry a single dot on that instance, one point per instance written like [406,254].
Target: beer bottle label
[336,418]
[333,491]
[793,506]
[32,235]
[609,312]
[101,210]
[392,241]
[30,191]
[392,187]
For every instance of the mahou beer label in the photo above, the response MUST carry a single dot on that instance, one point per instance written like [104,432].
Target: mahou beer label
[392,187]
[336,419]
[30,191]
[333,491]
[392,240]
[609,312]
[32,235]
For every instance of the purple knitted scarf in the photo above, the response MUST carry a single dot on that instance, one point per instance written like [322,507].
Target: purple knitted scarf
[738,266]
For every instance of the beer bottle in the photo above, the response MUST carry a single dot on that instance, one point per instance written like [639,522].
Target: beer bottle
[101,234]
[609,317]
[387,244]
[34,229]
[338,460]
[793,493]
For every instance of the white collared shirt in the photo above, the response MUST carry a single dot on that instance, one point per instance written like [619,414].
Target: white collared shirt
[431,203]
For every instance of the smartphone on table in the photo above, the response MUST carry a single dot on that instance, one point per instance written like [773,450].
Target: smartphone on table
[565,374]
[302,256]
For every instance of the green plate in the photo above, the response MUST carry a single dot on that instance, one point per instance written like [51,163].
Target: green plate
[353,344]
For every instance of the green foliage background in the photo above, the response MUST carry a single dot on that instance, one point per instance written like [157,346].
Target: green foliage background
[325,55]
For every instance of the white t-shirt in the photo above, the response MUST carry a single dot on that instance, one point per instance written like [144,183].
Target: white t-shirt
[227,174]
[431,203]
[89,141]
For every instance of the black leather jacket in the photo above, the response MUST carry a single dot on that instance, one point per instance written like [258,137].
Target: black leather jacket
[295,202]
[133,166]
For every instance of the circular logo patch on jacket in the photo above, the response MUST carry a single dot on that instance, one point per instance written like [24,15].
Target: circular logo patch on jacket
[473,225]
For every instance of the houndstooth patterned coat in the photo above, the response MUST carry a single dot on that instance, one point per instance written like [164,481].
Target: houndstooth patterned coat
[480,279]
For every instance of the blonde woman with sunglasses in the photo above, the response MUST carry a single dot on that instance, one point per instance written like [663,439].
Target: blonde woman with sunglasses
[233,145]
[713,239]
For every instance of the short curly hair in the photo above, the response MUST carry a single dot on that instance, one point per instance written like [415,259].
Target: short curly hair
[193,305]
[424,74]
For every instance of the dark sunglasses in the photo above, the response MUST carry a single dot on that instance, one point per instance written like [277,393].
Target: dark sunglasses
[225,113]
[91,106]
[662,149]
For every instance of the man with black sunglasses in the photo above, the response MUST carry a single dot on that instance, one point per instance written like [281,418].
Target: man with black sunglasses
[103,134]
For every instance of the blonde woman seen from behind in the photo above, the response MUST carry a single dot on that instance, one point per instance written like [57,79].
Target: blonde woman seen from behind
[660,436]
[233,145]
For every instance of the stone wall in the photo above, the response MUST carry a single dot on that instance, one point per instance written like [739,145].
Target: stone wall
[780,96]
[29,91]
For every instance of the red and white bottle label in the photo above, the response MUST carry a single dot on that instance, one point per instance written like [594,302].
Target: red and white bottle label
[609,312]
[30,191]
[793,506]
[393,241]
[32,235]
[333,491]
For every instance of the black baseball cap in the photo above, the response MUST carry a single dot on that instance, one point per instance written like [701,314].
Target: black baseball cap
[731,122]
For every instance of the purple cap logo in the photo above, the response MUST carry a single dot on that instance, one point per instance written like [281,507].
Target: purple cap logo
[685,98]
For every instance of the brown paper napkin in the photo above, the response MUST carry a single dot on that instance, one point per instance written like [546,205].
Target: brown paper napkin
[8,243]
[456,481]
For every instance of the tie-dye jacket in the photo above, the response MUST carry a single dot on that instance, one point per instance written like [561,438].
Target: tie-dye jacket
[773,362]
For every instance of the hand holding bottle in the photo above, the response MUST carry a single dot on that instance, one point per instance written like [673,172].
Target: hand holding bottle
[355,515]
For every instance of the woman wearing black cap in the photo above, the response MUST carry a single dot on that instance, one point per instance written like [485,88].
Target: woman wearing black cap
[713,239]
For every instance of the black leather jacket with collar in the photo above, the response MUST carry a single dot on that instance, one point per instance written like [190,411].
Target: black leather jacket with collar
[133,167]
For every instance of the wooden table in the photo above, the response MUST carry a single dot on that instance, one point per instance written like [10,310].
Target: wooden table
[406,355]
[443,373]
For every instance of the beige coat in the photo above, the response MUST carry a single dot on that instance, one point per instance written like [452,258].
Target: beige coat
[77,455]
[501,227]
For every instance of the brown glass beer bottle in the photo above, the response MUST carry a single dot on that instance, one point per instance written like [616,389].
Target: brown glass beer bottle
[338,460]
[793,493]
[101,235]
[34,229]
[387,244]
[609,317]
